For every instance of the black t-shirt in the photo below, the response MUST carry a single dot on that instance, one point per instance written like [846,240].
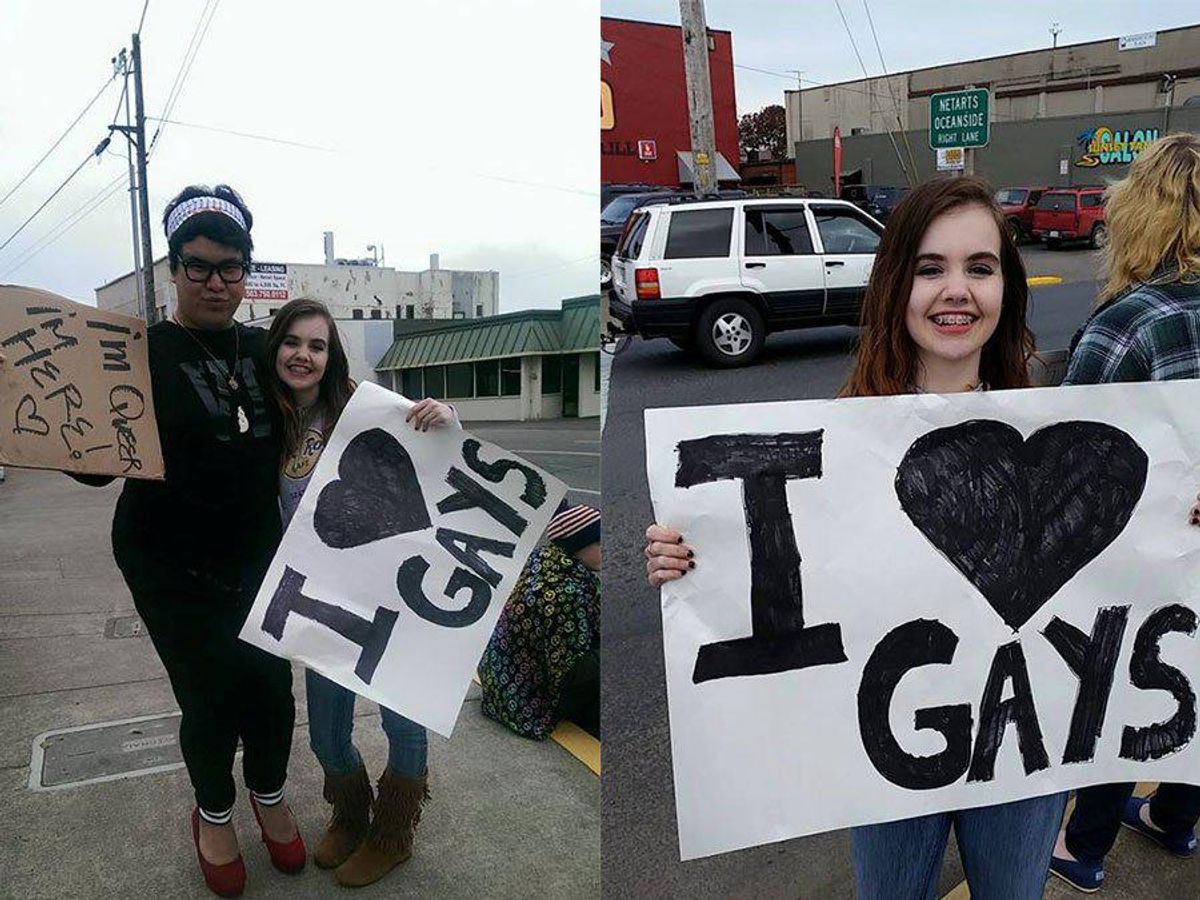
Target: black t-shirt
[217,512]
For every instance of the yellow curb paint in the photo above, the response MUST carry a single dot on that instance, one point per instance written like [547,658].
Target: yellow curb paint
[1037,280]
[1143,789]
[578,743]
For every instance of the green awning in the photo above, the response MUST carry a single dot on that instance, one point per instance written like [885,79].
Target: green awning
[574,328]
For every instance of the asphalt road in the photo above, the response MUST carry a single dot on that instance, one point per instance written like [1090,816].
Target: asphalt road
[569,449]
[641,855]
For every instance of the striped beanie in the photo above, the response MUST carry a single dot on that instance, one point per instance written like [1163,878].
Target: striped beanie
[574,527]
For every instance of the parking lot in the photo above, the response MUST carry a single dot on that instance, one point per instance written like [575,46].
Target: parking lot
[100,809]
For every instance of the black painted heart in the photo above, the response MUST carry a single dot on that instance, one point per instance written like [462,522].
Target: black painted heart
[1019,518]
[375,496]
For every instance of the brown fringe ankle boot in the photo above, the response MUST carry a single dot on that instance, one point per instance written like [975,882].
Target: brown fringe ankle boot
[351,799]
[396,812]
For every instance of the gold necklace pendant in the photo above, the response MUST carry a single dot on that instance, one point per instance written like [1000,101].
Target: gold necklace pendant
[243,422]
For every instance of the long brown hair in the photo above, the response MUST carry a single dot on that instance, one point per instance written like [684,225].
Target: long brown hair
[887,361]
[336,385]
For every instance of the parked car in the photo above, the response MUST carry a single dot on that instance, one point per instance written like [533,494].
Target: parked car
[1070,214]
[876,200]
[1018,205]
[614,216]
[608,191]
[718,276]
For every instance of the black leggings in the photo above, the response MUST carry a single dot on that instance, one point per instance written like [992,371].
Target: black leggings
[226,688]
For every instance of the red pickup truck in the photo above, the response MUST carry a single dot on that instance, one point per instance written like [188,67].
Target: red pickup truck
[1018,204]
[1070,214]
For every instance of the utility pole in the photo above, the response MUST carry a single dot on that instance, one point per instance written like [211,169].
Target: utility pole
[1054,30]
[699,95]
[143,191]
[121,66]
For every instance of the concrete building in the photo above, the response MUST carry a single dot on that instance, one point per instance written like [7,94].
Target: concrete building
[533,364]
[1066,103]
[352,289]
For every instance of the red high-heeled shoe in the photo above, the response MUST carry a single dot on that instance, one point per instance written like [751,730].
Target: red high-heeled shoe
[226,880]
[288,858]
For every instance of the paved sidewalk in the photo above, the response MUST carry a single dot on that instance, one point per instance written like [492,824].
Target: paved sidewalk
[509,817]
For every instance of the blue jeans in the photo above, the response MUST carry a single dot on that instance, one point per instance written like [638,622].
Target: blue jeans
[331,721]
[1005,851]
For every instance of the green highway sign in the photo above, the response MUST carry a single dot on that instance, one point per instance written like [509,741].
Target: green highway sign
[959,119]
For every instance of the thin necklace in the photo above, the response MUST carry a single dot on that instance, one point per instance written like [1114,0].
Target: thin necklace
[231,375]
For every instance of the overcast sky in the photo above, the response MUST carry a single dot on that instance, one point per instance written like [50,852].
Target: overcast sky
[782,35]
[424,106]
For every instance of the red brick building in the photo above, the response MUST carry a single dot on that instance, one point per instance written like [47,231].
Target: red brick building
[643,103]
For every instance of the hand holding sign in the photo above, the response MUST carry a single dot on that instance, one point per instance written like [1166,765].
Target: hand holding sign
[399,558]
[74,388]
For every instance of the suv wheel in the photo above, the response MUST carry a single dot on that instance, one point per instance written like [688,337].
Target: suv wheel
[1014,228]
[1099,236]
[730,332]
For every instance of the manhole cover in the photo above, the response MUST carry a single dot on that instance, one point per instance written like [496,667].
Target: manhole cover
[105,752]
[124,627]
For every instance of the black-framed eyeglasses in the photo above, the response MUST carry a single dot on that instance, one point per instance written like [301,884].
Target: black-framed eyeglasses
[199,271]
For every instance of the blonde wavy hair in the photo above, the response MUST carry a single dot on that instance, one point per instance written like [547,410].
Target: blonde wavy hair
[1153,215]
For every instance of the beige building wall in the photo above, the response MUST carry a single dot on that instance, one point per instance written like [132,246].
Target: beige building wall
[1095,77]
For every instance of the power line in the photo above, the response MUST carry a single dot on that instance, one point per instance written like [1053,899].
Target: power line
[245,134]
[888,81]
[185,67]
[100,148]
[142,20]
[854,46]
[91,103]
[89,206]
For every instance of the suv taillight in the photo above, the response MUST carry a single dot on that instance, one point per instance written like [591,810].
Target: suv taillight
[647,284]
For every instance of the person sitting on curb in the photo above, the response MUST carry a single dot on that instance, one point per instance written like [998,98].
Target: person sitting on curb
[542,663]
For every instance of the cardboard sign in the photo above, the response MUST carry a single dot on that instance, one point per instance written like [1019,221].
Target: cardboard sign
[909,605]
[74,388]
[399,558]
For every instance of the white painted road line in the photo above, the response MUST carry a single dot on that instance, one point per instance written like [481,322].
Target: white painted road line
[582,490]
[557,452]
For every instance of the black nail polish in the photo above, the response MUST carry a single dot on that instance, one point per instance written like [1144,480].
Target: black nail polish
[680,541]
[691,553]
[691,565]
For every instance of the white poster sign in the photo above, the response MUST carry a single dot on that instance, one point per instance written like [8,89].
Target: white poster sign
[399,559]
[997,600]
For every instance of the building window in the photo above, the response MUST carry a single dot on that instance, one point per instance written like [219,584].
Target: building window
[596,374]
[479,310]
[399,311]
[410,311]
[487,378]
[551,374]
[357,314]
[435,382]
[460,381]
[510,377]
[410,384]
[376,314]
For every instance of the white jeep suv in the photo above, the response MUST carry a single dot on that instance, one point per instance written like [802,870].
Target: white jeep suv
[719,276]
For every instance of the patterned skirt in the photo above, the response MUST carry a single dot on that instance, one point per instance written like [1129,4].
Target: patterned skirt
[551,619]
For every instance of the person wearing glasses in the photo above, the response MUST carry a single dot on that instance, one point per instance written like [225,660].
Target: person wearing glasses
[194,548]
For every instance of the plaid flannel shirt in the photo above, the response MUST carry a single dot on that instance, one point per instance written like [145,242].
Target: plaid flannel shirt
[1149,333]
